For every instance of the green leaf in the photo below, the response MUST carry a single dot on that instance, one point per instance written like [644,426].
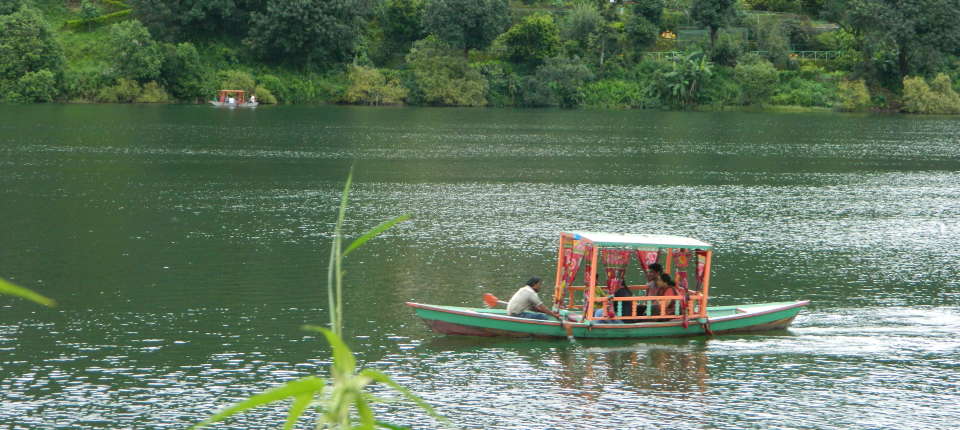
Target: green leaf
[302,387]
[299,405]
[15,290]
[343,362]
[391,426]
[374,232]
[384,379]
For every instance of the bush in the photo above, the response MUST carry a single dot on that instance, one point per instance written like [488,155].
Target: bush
[803,92]
[758,79]
[564,76]
[938,97]
[83,84]
[152,93]
[236,80]
[89,9]
[852,95]
[264,96]
[125,91]
[721,89]
[27,45]
[369,86]
[275,86]
[35,87]
[441,77]
[503,85]
[615,94]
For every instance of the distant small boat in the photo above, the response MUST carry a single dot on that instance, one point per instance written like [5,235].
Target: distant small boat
[588,311]
[233,99]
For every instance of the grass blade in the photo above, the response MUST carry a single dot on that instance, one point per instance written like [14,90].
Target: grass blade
[374,232]
[16,290]
[305,386]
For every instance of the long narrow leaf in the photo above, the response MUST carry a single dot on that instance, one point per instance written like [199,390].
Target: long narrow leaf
[304,386]
[384,379]
[16,290]
[343,362]
[374,232]
[299,405]
[367,420]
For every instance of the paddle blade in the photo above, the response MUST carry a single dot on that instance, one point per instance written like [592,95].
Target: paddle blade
[490,300]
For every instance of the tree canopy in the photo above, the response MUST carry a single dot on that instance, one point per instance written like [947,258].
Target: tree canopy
[306,32]
[466,24]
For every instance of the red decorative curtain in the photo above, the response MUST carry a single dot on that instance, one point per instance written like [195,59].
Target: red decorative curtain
[571,261]
[616,261]
[647,258]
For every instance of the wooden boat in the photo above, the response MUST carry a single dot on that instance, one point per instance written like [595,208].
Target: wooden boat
[233,98]
[591,311]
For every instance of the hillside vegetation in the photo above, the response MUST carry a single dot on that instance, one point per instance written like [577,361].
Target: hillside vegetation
[680,54]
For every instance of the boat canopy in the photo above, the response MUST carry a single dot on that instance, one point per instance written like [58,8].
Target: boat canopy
[638,241]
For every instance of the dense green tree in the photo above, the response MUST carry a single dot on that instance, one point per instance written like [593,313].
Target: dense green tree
[89,9]
[532,40]
[170,20]
[641,33]
[402,22]
[564,77]
[772,39]
[136,55]
[27,45]
[372,87]
[35,87]
[182,73]
[307,32]
[466,24]
[443,79]
[9,6]
[713,14]
[727,50]
[652,10]
[852,95]
[920,33]
[580,26]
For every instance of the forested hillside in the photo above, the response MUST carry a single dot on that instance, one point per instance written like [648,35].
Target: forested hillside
[679,54]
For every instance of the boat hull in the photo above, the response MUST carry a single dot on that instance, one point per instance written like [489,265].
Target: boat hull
[454,320]
[233,105]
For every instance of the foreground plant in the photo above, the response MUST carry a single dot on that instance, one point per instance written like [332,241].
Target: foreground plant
[346,403]
[16,290]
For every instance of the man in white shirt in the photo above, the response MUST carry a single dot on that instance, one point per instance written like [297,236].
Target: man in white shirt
[526,299]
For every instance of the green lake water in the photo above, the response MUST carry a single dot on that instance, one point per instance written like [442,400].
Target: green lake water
[186,246]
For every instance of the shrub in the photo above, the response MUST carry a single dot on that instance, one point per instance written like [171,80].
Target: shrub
[938,97]
[803,92]
[564,76]
[721,89]
[152,92]
[236,80]
[89,9]
[34,87]
[264,96]
[443,78]
[758,79]
[615,94]
[27,45]
[125,91]
[852,95]
[83,84]
[503,85]
[370,86]
[275,86]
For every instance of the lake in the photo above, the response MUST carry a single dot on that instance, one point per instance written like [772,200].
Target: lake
[186,246]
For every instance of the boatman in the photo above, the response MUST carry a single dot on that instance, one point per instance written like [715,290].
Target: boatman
[526,299]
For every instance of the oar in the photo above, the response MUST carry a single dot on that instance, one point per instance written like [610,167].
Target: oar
[566,325]
[492,301]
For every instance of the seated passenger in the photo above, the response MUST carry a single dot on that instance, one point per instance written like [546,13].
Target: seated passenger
[526,299]
[665,286]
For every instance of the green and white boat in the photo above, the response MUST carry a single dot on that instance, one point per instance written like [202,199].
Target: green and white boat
[592,311]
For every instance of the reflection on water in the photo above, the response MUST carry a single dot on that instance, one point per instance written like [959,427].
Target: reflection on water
[186,247]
